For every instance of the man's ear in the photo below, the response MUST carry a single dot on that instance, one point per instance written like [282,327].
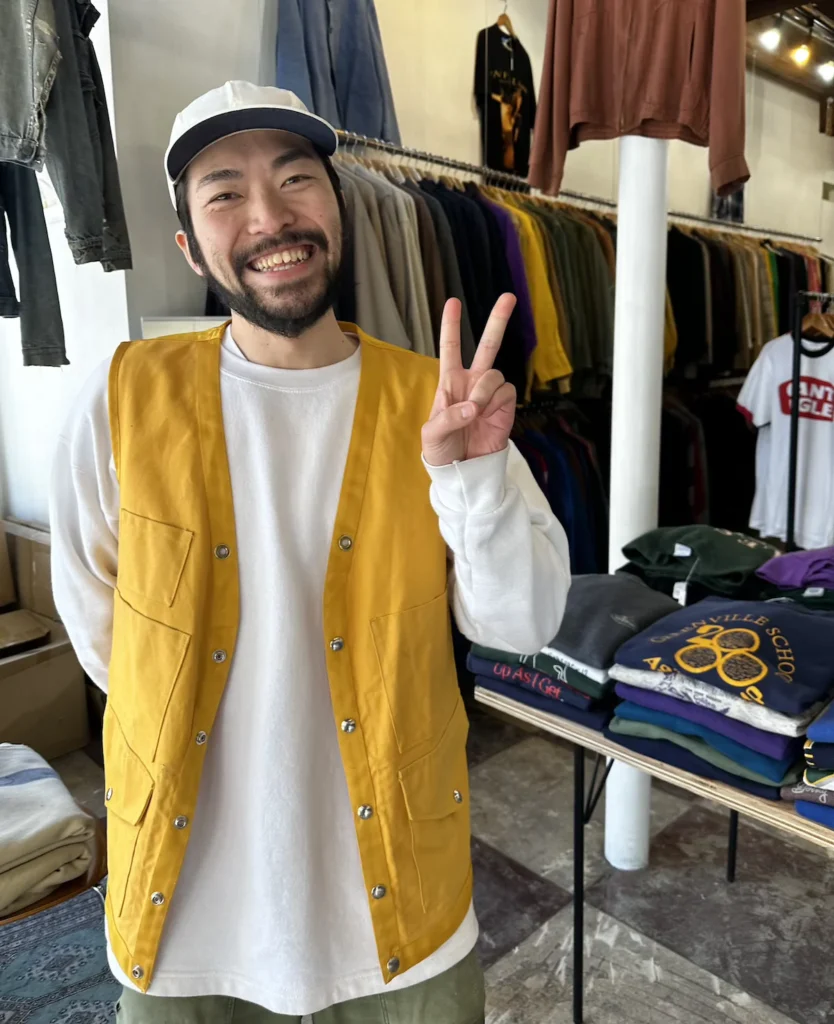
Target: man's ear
[182,242]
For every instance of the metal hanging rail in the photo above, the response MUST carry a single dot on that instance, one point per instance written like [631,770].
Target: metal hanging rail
[513,181]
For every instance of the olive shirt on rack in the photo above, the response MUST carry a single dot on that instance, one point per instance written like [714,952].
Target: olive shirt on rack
[449,263]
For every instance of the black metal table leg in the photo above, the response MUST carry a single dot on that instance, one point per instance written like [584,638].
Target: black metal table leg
[732,847]
[578,880]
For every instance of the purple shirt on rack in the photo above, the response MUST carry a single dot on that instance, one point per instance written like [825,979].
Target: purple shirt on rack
[801,569]
[512,247]
[768,743]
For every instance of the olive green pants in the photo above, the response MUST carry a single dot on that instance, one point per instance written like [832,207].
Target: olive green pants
[456,997]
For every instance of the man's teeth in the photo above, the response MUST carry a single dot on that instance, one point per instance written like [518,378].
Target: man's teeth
[283,259]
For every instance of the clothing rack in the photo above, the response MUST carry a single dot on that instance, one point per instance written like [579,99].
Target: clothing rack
[514,182]
[801,301]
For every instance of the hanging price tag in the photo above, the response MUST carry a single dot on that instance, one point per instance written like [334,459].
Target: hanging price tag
[679,593]
[814,592]
[682,551]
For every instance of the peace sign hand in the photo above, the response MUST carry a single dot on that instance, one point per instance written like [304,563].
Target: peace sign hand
[474,409]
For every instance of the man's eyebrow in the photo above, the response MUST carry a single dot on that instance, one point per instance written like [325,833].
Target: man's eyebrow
[222,174]
[230,174]
[291,157]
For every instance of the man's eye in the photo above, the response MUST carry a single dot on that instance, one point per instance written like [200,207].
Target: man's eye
[223,196]
[298,178]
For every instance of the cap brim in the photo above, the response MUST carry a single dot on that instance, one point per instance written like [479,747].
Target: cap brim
[231,122]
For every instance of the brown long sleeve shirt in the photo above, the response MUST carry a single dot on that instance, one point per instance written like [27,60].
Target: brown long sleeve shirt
[667,69]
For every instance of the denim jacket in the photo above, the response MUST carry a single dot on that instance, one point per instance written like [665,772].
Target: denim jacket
[29,59]
[329,53]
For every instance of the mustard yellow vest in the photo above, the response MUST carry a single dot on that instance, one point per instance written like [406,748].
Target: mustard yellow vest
[399,720]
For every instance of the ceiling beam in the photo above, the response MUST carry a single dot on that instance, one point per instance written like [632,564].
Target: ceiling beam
[763,8]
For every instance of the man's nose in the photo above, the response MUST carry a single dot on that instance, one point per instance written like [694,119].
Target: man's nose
[268,215]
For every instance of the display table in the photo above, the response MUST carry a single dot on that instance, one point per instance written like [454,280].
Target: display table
[776,814]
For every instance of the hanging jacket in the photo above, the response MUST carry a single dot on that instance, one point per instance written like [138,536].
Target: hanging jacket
[329,53]
[28,62]
[670,70]
[398,713]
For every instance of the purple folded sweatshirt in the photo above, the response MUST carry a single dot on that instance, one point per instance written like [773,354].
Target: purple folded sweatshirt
[801,569]
[769,743]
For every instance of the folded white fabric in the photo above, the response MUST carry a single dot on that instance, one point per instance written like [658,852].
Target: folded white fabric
[675,684]
[45,838]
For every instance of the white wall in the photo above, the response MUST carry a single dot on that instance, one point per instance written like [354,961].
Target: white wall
[165,53]
[35,401]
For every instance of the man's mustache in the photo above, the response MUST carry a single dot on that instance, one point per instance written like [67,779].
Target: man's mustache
[317,238]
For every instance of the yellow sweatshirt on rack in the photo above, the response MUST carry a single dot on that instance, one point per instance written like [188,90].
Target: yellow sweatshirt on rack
[550,361]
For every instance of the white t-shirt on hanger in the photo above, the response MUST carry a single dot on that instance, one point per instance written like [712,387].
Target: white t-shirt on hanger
[766,401]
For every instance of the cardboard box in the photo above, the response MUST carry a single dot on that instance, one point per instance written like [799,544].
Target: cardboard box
[30,551]
[42,692]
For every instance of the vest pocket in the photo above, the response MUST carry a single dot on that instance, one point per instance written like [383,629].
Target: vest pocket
[157,556]
[145,664]
[128,790]
[436,791]
[417,662]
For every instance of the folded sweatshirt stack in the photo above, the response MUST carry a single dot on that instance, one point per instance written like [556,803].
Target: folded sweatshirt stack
[569,677]
[45,838]
[726,689]
[814,796]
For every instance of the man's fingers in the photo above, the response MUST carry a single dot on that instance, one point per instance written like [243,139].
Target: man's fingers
[485,388]
[450,358]
[493,333]
[455,418]
[506,395]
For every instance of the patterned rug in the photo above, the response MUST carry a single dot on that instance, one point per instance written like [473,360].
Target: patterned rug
[53,967]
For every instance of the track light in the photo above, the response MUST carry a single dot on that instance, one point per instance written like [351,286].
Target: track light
[801,55]
[771,38]
[826,71]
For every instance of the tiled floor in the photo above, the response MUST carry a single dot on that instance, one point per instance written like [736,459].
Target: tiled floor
[671,945]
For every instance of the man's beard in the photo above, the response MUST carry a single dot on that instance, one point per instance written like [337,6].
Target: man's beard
[298,314]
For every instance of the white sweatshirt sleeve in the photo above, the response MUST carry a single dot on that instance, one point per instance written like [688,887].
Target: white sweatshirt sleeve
[84,522]
[511,572]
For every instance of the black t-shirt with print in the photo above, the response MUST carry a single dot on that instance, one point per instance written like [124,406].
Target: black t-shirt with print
[506,101]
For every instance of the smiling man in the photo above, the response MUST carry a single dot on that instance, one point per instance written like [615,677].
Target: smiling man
[258,532]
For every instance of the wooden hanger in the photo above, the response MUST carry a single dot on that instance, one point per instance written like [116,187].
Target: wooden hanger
[504,21]
[818,325]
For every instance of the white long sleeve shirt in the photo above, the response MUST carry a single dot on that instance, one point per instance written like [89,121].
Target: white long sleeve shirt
[270,905]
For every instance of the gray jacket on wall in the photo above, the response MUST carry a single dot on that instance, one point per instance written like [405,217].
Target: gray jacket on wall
[329,53]
[53,110]
[28,62]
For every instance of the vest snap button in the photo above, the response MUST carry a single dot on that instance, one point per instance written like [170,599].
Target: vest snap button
[378,892]
[348,725]
[345,543]
[393,965]
[219,657]
[458,796]
[138,972]
[181,821]
[201,738]
[221,551]
[109,794]
[157,899]
[337,643]
[365,812]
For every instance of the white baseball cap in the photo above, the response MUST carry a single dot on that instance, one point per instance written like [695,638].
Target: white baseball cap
[240,107]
